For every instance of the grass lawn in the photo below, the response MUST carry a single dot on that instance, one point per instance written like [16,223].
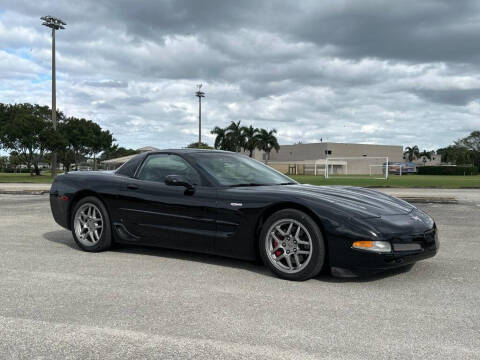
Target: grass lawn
[25,178]
[406,181]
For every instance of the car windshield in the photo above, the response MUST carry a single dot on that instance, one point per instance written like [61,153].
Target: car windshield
[239,170]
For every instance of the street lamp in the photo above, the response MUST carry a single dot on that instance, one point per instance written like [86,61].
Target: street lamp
[54,24]
[199,94]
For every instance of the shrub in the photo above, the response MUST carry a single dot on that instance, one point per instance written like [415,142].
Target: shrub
[12,170]
[447,170]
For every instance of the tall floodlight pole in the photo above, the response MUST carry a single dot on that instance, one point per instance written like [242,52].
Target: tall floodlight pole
[54,24]
[199,94]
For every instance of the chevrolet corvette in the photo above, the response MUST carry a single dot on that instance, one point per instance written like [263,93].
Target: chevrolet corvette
[228,204]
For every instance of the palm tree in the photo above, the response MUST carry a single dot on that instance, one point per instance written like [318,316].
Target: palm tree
[412,152]
[250,135]
[220,139]
[426,155]
[235,136]
[267,141]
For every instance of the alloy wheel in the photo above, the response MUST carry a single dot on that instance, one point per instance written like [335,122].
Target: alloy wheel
[88,224]
[288,245]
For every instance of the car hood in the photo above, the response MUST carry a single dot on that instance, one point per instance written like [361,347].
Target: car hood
[356,201]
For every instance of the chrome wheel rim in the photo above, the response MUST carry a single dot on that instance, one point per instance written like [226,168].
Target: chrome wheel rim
[288,245]
[88,224]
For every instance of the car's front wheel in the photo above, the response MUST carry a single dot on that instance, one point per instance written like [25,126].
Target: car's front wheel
[91,225]
[291,245]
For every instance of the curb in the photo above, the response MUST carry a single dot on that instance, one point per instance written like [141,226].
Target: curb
[24,192]
[424,200]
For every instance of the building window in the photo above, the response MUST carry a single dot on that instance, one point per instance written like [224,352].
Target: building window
[328,152]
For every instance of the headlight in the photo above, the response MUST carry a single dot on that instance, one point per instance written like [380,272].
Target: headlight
[375,246]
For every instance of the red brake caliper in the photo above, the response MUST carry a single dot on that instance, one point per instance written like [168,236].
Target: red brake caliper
[278,252]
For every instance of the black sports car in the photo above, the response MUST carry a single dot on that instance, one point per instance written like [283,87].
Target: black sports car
[228,204]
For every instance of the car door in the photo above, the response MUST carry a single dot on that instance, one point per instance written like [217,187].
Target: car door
[169,216]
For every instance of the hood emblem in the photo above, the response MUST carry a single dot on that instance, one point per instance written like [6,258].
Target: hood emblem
[415,217]
[236,204]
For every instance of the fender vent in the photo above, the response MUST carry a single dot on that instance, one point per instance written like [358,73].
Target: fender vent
[123,233]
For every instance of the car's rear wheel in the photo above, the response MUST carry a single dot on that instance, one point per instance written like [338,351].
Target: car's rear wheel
[291,245]
[91,225]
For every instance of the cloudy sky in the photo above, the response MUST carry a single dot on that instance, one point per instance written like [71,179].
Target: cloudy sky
[381,72]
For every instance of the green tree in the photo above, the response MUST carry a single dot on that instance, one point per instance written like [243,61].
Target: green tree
[230,138]
[75,134]
[27,130]
[64,150]
[412,153]
[221,140]
[14,160]
[456,154]
[267,141]
[66,156]
[100,140]
[5,114]
[472,144]
[196,146]
[250,137]
[116,151]
[3,163]
[426,155]
[235,136]
[82,139]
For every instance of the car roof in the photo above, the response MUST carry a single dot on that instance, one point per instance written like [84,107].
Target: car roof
[129,167]
[189,151]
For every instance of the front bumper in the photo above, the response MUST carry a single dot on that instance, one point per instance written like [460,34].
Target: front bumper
[406,249]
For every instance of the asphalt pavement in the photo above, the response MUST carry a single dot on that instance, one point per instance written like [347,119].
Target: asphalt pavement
[135,302]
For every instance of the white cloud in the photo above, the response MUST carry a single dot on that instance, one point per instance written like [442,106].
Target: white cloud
[309,70]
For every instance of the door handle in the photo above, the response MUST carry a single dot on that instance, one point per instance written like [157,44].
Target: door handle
[132,187]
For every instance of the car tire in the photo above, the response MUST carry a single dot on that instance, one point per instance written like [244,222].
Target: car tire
[90,224]
[292,234]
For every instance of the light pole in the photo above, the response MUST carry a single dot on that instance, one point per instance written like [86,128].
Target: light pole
[54,24]
[199,94]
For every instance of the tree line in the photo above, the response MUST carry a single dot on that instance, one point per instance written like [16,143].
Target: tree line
[465,151]
[26,131]
[237,138]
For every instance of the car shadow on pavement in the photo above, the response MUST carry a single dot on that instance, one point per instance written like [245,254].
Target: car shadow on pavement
[61,237]
[366,278]
[64,237]
[217,260]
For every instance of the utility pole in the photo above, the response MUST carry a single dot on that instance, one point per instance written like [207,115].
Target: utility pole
[199,94]
[54,24]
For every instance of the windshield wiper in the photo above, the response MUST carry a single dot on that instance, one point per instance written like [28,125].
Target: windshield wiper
[247,184]
[288,183]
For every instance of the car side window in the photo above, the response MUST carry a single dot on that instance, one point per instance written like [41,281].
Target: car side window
[157,167]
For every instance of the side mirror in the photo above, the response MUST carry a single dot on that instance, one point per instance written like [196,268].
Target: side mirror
[178,180]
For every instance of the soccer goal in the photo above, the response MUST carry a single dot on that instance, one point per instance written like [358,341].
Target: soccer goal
[365,167]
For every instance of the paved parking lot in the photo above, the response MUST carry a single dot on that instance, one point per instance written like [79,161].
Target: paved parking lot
[59,302]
